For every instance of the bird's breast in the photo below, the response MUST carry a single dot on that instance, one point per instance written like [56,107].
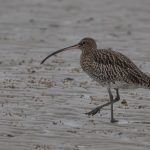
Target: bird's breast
[99,72]
[86,63]
[95,71]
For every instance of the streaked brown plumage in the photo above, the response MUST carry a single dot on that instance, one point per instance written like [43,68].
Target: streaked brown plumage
[109,68]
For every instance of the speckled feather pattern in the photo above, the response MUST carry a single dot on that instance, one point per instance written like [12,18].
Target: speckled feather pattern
[109,68]
[113,69]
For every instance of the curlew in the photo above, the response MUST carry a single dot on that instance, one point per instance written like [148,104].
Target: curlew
[109,68]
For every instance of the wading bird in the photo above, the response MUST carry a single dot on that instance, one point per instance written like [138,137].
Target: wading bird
[109,68]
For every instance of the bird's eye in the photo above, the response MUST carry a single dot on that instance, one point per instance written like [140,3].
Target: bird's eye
[83,43]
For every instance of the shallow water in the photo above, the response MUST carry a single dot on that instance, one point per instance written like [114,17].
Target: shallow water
[39,107]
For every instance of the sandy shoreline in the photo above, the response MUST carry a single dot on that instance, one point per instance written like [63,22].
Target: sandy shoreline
[39,108]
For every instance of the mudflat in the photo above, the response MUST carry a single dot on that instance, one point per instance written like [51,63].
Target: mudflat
[42,106]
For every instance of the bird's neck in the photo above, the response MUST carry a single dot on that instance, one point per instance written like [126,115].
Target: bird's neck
[87,57]
[87,52]
[86,61]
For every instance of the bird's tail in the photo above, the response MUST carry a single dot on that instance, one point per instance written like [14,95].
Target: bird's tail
[146,81]
[140,79]
[149,83]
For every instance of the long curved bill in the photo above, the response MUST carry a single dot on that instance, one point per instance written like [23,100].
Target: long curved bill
[61,50]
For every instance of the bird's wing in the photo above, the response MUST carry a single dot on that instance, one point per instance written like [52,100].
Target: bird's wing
[108,56]
[121,63]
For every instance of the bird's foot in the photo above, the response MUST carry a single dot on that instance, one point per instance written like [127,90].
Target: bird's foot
[113,120]
[94,111]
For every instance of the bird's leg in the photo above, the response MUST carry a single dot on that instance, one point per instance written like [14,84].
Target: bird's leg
[112,102]
[97,109]
[117,95]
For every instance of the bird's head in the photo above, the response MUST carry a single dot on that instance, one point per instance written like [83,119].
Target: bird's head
[86,45]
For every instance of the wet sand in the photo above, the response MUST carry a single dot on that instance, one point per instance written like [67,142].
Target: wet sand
[42,106]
